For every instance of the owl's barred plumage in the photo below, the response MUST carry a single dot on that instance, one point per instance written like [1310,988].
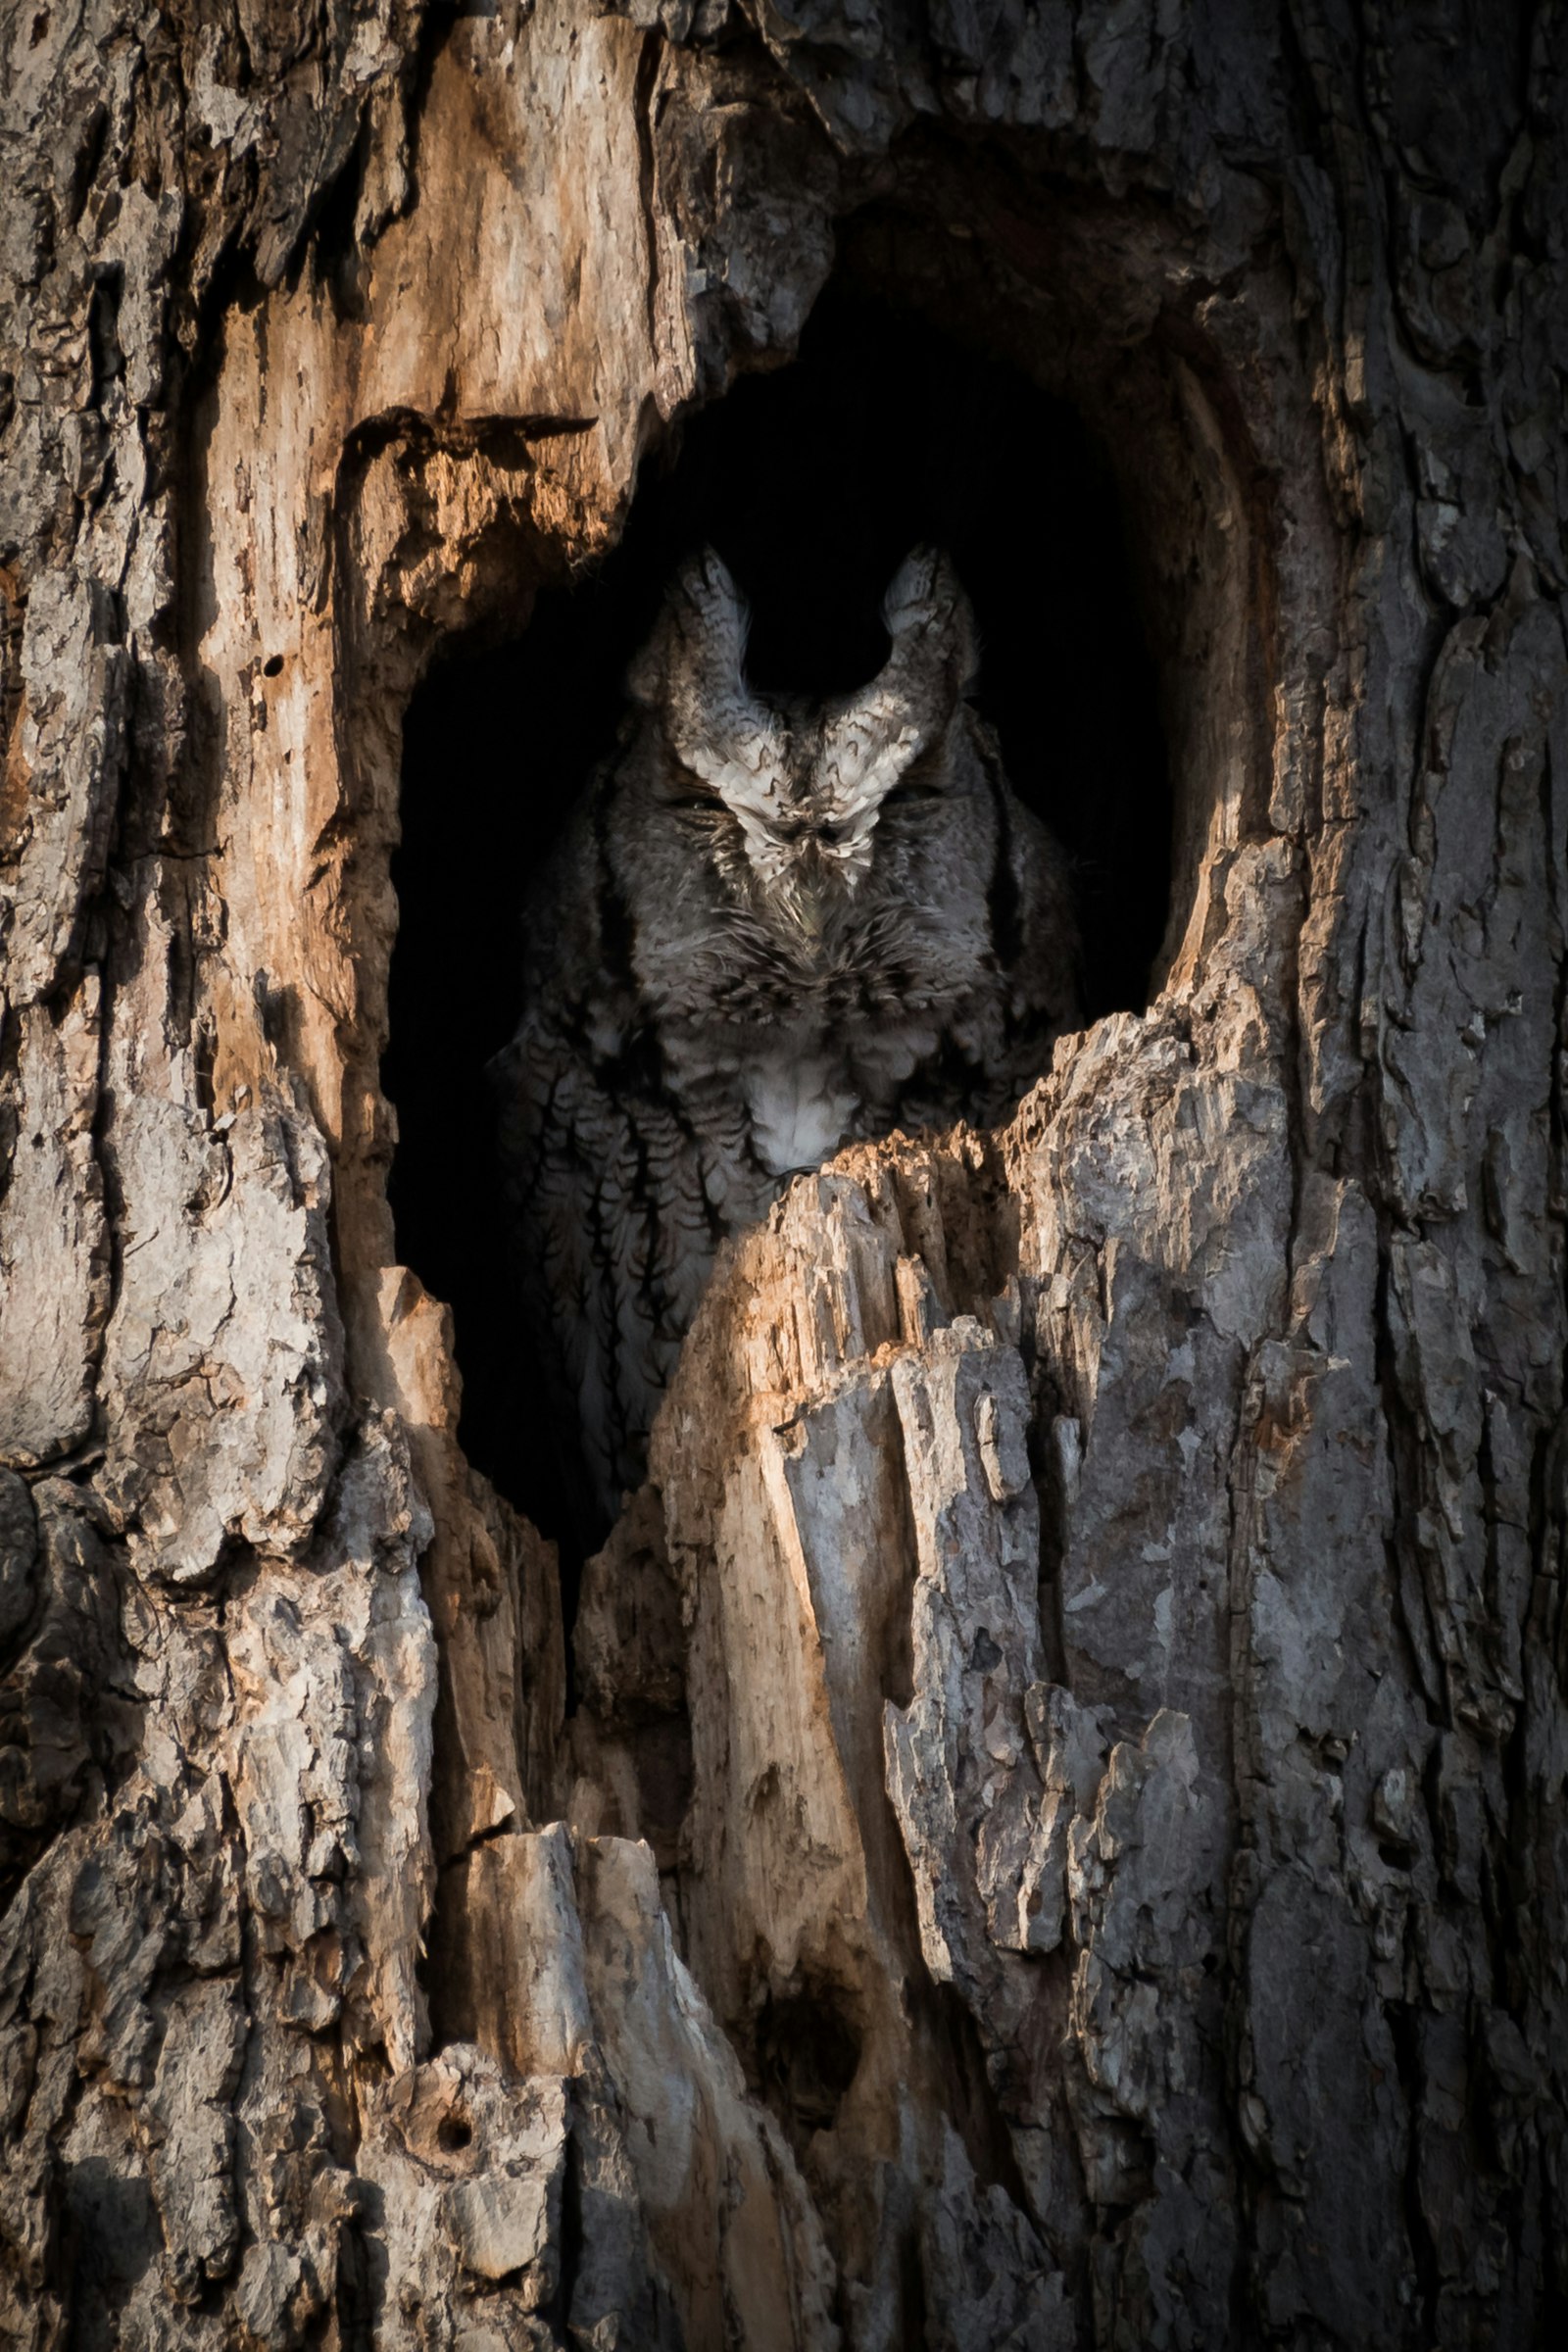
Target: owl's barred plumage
[772,928]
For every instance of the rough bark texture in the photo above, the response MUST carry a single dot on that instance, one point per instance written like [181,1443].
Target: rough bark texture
[1062,1839]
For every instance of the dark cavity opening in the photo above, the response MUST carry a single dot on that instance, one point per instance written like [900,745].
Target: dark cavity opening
[807,2052]
[812,483]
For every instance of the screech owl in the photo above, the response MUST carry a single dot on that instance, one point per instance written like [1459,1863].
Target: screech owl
[773,927]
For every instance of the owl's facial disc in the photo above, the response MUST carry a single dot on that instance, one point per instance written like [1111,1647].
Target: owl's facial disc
[808,811]
[806,799]
[807,840]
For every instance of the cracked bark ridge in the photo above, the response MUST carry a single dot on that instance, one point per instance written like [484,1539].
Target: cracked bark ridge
[1060,1839]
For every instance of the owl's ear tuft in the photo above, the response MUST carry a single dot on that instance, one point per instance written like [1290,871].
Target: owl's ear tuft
[691,674]
[875,735]
[696,653]
[931,621]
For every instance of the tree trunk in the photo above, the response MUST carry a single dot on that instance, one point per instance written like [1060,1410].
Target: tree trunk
[1059,1840]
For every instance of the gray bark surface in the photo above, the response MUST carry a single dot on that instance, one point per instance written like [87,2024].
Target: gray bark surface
[1062,1839]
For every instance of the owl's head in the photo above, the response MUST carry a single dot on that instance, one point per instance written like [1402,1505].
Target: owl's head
[797,791]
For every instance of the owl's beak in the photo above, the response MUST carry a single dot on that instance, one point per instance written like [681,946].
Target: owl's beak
[811,892]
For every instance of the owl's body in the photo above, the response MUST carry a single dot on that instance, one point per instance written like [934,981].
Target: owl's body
[771,929]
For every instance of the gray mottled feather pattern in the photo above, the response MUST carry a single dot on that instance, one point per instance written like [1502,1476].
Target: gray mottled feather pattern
[772,928]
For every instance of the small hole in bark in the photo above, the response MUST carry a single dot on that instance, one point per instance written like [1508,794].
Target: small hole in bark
[806,2056]
[108,360]
[812,483]
[272,667]
[986,1654]
[455,2130]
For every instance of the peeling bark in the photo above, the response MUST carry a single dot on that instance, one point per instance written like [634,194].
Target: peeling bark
[1058,1837]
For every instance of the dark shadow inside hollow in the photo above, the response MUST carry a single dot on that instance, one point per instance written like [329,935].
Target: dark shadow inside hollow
[806,2052]
[812,483]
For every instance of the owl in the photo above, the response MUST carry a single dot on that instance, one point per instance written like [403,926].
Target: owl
[773,926]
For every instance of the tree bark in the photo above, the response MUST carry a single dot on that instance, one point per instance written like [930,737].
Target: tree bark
[1060,1841]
